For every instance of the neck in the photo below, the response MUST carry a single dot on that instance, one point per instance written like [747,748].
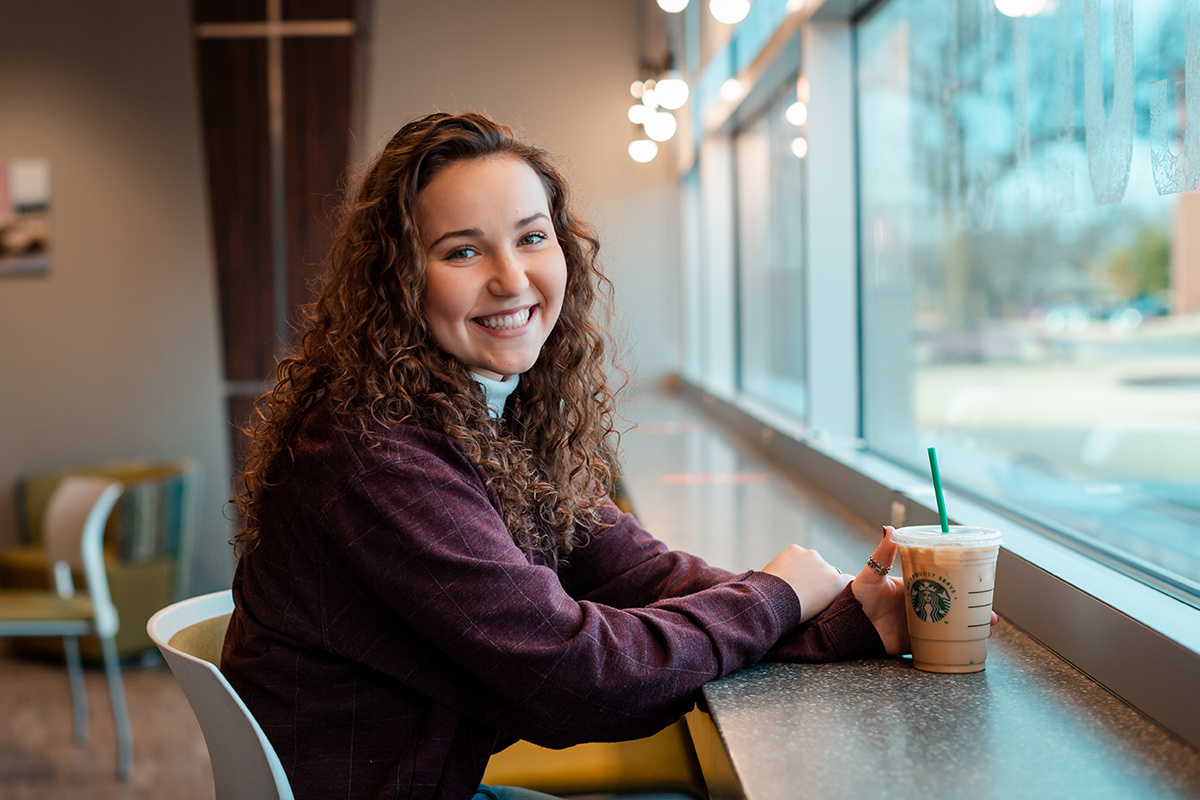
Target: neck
[496,392]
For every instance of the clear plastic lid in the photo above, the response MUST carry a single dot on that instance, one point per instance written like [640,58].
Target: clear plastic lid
[958,536]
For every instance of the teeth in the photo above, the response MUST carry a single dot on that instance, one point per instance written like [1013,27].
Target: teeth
[505,322]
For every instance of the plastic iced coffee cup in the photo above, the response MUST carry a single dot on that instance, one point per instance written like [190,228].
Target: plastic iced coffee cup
[948,580]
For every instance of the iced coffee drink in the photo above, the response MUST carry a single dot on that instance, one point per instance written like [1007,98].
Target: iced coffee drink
[948,579]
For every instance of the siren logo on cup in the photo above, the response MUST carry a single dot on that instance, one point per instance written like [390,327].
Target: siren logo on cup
[930,600]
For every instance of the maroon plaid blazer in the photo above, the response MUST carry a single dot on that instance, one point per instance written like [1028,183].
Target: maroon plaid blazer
[389,636]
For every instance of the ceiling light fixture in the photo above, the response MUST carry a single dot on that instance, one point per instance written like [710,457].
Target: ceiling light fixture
[796,114]
[671,91]
[643,150]
[661,126]
[1020,8]
[731,90]
[730,12]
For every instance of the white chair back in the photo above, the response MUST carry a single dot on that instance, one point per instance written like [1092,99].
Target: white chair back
[244,764]
[82,504]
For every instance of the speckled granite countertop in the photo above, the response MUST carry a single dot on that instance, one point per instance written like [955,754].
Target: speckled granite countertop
[1029,726]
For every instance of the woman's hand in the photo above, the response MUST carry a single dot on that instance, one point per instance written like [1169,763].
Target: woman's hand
[813,580]
[883,597]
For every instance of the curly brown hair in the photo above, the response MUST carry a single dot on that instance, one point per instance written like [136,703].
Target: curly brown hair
[368,350]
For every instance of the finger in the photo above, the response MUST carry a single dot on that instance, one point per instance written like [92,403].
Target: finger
[884,556]
[885,551]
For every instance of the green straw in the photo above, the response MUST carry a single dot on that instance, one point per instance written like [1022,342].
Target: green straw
[937,488]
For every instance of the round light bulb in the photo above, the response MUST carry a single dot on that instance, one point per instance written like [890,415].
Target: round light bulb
[800,147]
[1020,8]
[671,92]
[731,12]
[636,88]
[643,150]
[650,96]
[661,126]
[731,90]
[796,114]
[639,113]
[672,6]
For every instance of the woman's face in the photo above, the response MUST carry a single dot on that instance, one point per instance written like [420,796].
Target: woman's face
[496,273]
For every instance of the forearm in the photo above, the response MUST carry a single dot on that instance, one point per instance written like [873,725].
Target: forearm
[623,566]
[842,631]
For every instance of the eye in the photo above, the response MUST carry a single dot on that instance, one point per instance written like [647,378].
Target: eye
[461,253]
[533,237]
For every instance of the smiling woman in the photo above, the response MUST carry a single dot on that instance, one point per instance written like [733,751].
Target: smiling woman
[495,273]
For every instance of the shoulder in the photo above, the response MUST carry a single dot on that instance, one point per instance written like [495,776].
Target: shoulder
[342,450]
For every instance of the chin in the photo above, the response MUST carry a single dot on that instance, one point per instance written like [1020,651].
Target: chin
[508,372]
[513,368]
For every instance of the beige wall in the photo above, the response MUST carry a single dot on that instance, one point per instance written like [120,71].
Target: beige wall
[115,353]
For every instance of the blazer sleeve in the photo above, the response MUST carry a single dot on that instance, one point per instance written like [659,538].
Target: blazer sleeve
[624,566]
[418,533]
[841,631]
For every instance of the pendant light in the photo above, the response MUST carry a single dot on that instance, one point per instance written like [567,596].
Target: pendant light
[730,12]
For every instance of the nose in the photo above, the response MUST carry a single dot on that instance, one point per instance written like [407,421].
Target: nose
[508,276]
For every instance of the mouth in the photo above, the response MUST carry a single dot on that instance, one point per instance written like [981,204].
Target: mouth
[509,321]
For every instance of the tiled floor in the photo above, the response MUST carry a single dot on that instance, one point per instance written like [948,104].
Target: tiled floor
[39,759]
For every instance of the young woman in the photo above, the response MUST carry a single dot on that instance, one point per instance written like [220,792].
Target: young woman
[430,567]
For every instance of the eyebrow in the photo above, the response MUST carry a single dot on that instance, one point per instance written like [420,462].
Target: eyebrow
[467,232]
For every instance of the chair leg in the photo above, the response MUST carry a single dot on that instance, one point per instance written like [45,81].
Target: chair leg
[116,691]
[79,701]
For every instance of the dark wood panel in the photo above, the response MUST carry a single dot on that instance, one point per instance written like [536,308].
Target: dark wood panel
[229,10]
[318,76]
[318,9]
[319,73]
[233,83]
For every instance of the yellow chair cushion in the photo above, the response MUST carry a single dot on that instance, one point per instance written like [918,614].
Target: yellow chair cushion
[205,639]
[138,590]
[662,761]
[17,605]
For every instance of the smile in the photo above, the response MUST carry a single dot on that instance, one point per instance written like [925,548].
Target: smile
[506,322]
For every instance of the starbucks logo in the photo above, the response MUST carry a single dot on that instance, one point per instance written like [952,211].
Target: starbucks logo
[930,600]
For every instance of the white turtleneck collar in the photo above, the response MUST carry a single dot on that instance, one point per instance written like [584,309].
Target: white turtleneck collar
[497,392]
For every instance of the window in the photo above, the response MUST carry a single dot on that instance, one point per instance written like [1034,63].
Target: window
[1030,250]
[770,248]
[708,279]
[964,234]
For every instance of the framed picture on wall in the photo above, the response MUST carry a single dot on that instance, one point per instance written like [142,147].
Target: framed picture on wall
[24,216]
